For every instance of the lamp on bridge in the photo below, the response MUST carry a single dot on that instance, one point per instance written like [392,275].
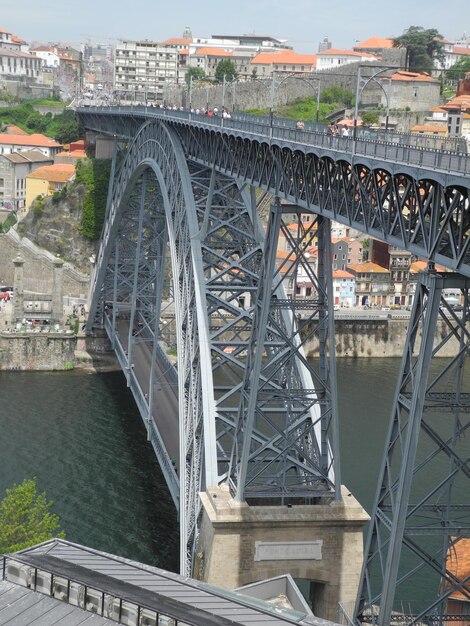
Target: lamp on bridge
[361,84]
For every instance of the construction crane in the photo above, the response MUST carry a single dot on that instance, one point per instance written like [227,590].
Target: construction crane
[97,37]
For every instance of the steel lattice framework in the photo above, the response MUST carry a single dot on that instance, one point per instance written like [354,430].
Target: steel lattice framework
[423,525]
[253,412]
[393,197]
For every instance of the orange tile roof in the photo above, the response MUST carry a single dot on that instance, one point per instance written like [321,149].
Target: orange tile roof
[438,109]
[376,42]
[442,40]
[429,128]
[58,173]
[462,51]
[349,123]
[420,266]
[288,56]
[412,76]
[342,274]
[460,102]
[346,53]
[368,266]
[181,41]
[35,139]
[212,52]
[185,51]
[15,130]
[75,154]
[458,563]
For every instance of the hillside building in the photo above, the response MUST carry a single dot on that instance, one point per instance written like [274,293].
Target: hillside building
[15,142]
[14,168]
[47,180]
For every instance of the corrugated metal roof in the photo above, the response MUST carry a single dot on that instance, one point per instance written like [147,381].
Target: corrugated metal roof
[22,607]
[134,580]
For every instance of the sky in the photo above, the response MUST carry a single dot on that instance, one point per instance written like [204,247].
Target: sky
[304,23]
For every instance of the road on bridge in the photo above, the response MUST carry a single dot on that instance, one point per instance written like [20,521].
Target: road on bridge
[164,408]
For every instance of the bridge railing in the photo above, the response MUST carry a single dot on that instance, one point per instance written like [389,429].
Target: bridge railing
[390,148]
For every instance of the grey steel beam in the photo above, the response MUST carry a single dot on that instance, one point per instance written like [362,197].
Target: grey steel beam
[423,438]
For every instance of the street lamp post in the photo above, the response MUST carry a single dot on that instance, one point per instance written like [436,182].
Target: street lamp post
[190,94]
[361,84]
[311,80]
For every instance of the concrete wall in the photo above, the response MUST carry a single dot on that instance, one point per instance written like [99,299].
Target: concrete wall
[374,338]
[36,351]
[38,265]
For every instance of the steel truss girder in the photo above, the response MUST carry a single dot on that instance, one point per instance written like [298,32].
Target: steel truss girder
[427,215]
[423,216]
[417,519]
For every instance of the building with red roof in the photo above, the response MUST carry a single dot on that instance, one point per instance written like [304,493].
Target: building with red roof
[13,143]
[47,180]
[333,58]
[287,61]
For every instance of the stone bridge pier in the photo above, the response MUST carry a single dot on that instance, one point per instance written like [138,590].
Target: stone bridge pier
[319,545]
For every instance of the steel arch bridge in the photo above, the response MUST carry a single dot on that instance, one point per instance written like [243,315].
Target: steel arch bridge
[254,413]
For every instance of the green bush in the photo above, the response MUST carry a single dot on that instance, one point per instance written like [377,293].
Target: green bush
[94,175]
[8,223]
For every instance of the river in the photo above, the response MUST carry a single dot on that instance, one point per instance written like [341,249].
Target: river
[83,438]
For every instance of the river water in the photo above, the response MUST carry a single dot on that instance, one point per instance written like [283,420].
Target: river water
[83,438]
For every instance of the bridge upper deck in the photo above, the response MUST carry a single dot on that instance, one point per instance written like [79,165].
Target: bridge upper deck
[391,149]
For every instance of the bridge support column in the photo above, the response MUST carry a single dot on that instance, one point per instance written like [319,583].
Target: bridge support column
[320,544]
[421,515]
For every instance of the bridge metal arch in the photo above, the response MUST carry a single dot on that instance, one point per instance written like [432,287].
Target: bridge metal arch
[155,148]
[199,204]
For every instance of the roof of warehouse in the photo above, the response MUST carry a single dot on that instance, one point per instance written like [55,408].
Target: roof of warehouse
[179,596]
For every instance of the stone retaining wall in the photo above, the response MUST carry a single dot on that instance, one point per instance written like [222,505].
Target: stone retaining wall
[31,351]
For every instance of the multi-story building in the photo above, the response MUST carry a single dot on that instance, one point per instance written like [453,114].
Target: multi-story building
[344,289]
[400,266]
[15,64]
[458,110]
[47,180]
[346,251]
[142,68]
[284,61]
[372,283]
[14,168]
[14,143]
[49,55]
[409,90]
[333,58]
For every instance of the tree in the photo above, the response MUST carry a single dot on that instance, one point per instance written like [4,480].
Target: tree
[423,47]
[25,518]
[337,95]
[197,73]
[225,68]
[370,117]
[458,70]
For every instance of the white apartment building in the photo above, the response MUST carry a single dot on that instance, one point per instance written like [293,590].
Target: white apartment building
[333,58]
[15,63]
[143,69]
[49,56]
